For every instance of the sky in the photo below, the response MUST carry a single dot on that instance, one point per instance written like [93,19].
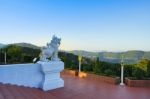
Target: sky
[92,25]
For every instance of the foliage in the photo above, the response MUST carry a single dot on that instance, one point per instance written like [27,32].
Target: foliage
[2,57]
[138,73]
[105,68]
[97,67]
[128,69]
[14,53]
[148,69]
[143,64]
[108,72]
[17,54]
[70,60]
[87,67]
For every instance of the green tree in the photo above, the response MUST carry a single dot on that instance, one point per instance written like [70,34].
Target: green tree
[148,69]
[97,66]
[143,64]
[15,54]
[109,72]
[138,73]
[128,69]
[1,57]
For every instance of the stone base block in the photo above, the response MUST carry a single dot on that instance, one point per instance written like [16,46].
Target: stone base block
[53,84]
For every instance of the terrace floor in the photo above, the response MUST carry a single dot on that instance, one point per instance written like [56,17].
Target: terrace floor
[76,88]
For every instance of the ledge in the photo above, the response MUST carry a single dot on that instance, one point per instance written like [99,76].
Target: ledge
[44,75]
[70,72]
[111,80]
[137,83]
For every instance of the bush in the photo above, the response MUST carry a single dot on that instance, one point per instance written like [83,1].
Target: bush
[108,72]
[138,73]
[70,60]
[128,69]
[148,69]
[97,67]
[86,67]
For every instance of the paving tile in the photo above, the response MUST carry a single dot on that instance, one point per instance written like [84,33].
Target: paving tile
[6,92]
[76,88]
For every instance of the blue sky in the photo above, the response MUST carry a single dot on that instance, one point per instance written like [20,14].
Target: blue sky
[93,25]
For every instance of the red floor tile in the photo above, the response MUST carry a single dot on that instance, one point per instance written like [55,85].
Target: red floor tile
[76,88]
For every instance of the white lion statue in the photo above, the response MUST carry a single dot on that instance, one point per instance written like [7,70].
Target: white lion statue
[51,50]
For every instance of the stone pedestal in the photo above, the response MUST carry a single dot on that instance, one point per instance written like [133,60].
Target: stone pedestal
[51,71]
[44,75]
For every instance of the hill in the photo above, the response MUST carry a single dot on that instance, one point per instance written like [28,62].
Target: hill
[85,53]
[2,45]
[130,57]
[28,45]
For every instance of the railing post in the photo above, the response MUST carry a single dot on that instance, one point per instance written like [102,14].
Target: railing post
[122,71]
[79,58]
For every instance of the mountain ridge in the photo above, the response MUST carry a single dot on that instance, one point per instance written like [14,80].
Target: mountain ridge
[131,56]
[23,44]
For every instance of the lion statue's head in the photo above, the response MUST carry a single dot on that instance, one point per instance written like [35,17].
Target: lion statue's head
[56,40]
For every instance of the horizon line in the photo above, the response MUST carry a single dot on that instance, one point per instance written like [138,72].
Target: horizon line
[96,51]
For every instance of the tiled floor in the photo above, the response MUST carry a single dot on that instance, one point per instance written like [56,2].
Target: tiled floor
[76,88]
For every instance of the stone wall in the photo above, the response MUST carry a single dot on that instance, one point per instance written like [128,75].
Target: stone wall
[137,83]
[111,80]
[44,75]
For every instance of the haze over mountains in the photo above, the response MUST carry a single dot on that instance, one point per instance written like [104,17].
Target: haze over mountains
[2,45]
[130,57]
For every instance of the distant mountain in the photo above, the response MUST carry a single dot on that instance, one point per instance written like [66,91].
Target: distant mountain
[2,45]
[28,45]
[130,57]
[85,53]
